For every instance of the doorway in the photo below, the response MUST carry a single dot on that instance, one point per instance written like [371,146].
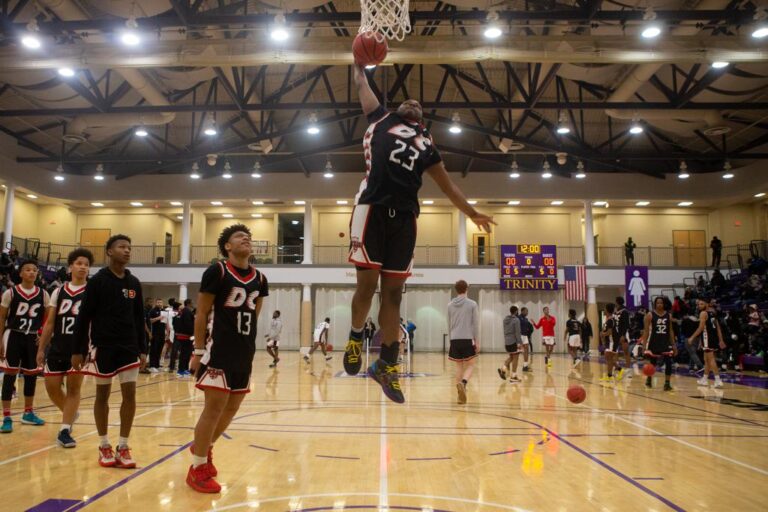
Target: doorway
[168,247]
[690,248]
[95,239]
[480,249]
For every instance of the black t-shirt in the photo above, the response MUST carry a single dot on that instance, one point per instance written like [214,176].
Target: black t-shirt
[660,326]
[622,322]
[397,152]
[573,327]
[236,291]
[157,328]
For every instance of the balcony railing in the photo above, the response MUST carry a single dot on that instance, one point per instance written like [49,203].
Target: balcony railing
[735,256]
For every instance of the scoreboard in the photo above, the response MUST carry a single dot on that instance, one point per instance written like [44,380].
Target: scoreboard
[528,267]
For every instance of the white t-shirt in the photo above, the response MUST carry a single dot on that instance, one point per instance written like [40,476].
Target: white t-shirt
[8,296]
[275,327]
[55,295]
[321,327]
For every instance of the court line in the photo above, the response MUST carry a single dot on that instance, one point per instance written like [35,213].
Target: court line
[336,457]
[88,434]
[428,458]
[264,448]
[383,460]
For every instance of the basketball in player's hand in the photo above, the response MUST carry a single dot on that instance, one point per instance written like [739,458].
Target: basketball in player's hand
[576,394]
[369,48]
[329,348]
[649,369]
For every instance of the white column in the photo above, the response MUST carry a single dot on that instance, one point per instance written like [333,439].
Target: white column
[306,316]
[593,314]
[591,295]
[10,192]
[186,224]
[462,239]
[183,292]
[307,234]
[589,235]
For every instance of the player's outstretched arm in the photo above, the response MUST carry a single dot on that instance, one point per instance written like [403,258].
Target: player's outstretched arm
[452,192]
[368,100]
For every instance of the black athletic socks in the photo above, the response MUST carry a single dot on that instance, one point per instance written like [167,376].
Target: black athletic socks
[357,336]
[390,352]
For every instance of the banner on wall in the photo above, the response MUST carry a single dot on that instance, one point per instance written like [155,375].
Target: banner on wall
[636,291]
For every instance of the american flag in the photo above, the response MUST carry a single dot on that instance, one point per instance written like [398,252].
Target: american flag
[576,283]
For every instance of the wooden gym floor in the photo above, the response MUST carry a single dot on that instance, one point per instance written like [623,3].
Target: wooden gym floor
[309,438]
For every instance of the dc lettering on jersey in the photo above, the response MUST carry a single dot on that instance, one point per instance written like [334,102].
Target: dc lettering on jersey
[28,310]
[239,296]
[406,132]
[69,306]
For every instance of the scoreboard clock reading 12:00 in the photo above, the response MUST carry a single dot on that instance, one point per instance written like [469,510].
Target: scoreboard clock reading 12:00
[528,267]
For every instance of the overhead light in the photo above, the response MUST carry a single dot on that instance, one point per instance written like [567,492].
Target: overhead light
[59,176]
[636,128]
[328,175]
[97,205]
[342,202]
[556,203]
[514,175]
[600,203]
[455,127]
[562,124]
[651,29]
[227,215]
[210,125]
[300,202]
[67,72]
[328,170]
[514,168]
[141,132]
[295,222]
[370,66]
[216,203]
[760,194]
[257,215]
[136,203]
[513,203]
[685,203]
[256,173]
[727,168]
[492,31]
[32,196]
[642,203]
[31,39]
[176,203]
[99,176]
[720,64]
[759,32]
[312,128]
[472,202]
[257,203]
[683,172]
[195,172]
[180,217]
[580,174]
[130,36]
[279,30]
[227,174]
[427,202]
[545,168]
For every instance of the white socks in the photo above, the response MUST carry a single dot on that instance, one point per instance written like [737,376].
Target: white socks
[65,427]
[103,441]
[123,442]
[198,461]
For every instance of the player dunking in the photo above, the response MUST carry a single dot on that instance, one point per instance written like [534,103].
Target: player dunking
[59,332]
[21,315]
[658,340]
[234,291]
[398,151]
[547,325]
[110,329]
[711,340]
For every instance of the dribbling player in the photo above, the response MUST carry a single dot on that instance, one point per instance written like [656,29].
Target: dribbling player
[658,340]
[398,151]
[711,340]
[234,291]
[110,329]
[59,332]
[21,315]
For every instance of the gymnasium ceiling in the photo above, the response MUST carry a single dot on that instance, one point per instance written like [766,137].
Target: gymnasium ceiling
[581,63]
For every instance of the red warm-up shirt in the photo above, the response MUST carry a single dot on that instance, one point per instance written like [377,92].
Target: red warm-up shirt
[547,325]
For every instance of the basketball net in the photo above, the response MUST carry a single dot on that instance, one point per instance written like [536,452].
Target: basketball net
[386,17]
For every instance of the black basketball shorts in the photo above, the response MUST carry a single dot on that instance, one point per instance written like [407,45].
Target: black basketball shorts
[462,350]
[382,238]
[223,380]
[512,348]
[20,353]
[106,362]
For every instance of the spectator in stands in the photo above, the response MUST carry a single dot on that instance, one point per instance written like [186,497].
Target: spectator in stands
[629,251]
[679,308]
[717,281]
[717,249]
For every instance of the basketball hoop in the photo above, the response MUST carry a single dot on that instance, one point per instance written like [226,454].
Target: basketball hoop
[386,17]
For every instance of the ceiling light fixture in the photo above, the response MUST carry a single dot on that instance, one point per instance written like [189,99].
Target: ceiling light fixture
[257,203]
[31,39]
[760,194]
[761,27]
[279,30]
[472,202]
[727,168]
[256,173]
[59,176]
[257,215]
[217,203]
[642,203]
[328,170]
[556,203]
[683,172]
[300,202]
[651,29]
[66,72]
[313,129]
[227,174]
[130,36]
[32,196]
[227,215]
[195,172]
[514,167]
[295,222]
[342,202]
[545,168]
[492,31]
[99,176]
[180,217]
[513,202]
[562,124]
[176,203]
[210,125]
[97,205]
[580,174]
[455,127]
[685,203]
[136,203]
[428,201]
[141,132]
[636,128]
[600,203]
[720,64]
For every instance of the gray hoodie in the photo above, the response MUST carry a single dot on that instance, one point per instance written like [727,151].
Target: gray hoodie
[462,318]
[512,333]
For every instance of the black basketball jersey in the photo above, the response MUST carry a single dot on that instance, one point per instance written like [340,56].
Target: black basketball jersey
[621,317]
[233,333]
[397,152]
[26,311]
[67,301]
[660,326]
[573,326]
[610,328]
[709,337]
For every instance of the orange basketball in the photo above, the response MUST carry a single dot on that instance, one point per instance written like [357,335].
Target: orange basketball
[649,369]
[369,48]
[576,394]
[329,348]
